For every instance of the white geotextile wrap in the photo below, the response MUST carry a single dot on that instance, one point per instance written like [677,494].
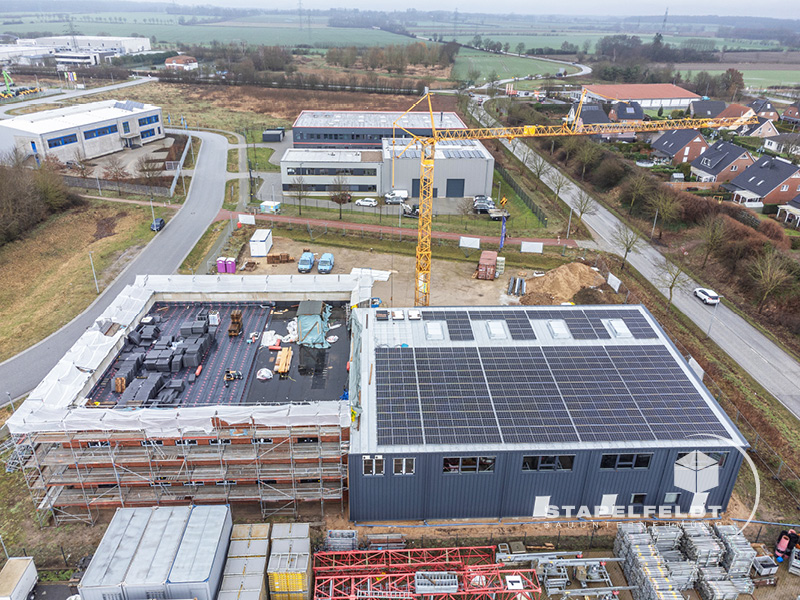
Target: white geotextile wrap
[48,405]
[373,274]
[33,416]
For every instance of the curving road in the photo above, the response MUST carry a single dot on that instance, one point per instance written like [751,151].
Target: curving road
[163,255]
[775,370]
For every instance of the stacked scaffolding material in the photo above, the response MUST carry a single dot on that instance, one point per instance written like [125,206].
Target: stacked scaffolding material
[666,537]
[701,545]
[643,565]
[739,553]
[714,584]
[341,540]
[289,568]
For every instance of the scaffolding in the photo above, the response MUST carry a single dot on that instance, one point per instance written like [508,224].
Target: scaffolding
[72,475]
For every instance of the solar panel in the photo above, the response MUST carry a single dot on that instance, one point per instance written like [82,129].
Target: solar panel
[397,397]
[517,320]
[458,325]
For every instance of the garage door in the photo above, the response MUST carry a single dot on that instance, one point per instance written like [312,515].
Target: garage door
[415,189]
[455,188]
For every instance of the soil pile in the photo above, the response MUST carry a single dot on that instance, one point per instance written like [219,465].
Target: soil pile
[561,284]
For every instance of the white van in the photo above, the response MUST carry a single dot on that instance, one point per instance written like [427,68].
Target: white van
[396,197]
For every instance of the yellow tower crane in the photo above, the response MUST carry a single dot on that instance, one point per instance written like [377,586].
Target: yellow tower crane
[427,147]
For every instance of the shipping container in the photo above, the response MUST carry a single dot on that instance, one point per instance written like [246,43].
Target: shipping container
[261,243]
[17,578]
[105,574]
[149,569]
[487,264]
[197,569]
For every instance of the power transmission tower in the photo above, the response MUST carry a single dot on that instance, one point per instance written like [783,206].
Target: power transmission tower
[664,23]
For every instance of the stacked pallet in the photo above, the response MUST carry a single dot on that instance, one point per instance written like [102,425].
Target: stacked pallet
[714,584]
[643,564]
[666,537]
[289,568]
[235,328]
[341,540]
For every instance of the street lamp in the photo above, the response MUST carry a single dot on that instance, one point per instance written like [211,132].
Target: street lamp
[713,316]
[152,211]
[94,273]
[13,409]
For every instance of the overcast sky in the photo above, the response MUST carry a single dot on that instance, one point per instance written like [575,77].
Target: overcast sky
[764,8]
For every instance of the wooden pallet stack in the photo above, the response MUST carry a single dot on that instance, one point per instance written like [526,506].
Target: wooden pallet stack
[235,327]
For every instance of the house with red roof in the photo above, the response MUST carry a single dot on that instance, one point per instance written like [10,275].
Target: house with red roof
[648,95]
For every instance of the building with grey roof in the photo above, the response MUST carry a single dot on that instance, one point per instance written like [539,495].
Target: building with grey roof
[721,162]
[707,109]
[679,145]
[769,180]
[365,129]
[492,412]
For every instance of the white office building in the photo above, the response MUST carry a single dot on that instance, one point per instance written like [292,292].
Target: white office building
[88,130]
[96,43]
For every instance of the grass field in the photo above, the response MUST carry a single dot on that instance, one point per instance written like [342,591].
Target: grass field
[47,277]
[267,31]
[758,78]
[504,66]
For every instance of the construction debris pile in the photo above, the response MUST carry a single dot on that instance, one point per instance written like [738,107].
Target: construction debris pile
[664,560]
[561,284]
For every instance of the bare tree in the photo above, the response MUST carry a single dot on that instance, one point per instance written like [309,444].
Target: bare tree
[587,154]
[299,191]
[538,165]
[665,208]
[149,170]
[585,205]
[670,275]
[570,145]
[115,171]
[770,273]
[637,187]
[338,192]
[626,240]
[712,234]
[559,182]
[82,166]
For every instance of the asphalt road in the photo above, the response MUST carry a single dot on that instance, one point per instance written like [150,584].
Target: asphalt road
[71,94]
[20,374]
[775,370]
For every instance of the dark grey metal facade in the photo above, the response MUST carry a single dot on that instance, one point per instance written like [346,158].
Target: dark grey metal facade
[509,491]
[366,138]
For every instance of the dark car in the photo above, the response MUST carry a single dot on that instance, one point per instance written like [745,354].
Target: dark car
[157,224]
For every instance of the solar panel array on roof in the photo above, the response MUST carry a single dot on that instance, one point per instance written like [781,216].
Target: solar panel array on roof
[588,325]
[518,323]
[531,394]
[458,325]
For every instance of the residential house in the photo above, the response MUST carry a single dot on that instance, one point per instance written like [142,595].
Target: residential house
[791,211]
[792,114]
[736,110]
[626,112]
[763,129]
[648,95]
[706,109]
[181,63]
[764,108]
[592,113]
[769,180]
[721,162]
[679,145]
[783,143]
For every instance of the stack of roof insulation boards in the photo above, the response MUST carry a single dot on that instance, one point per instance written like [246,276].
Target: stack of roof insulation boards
[289,568]
[160,552]
[243,576]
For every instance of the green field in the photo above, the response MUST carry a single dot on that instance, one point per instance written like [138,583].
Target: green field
[254,30]
[758,78]
[504,66]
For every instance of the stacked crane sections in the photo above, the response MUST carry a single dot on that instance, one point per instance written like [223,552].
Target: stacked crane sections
[432,573]
[701,545]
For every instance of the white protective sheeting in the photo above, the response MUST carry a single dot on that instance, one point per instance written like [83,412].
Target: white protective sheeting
[373,274]
[57,403]
[532,247]
[469,242]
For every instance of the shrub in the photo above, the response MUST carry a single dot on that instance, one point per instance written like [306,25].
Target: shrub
[775,232]
[608,173]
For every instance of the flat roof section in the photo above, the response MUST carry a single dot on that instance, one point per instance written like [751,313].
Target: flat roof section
[207,388]
[77,116]
[316,374]
[520,377]
[326,155]
[377,119]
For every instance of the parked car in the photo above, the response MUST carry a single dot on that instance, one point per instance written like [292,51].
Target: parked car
[396,197]
[341,198]
[483,204]
[157,224]
[306,262]
[707,296]
[325,264]
[367,202]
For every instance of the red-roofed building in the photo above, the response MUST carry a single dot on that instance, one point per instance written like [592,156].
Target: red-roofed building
[648,95]
[181,63]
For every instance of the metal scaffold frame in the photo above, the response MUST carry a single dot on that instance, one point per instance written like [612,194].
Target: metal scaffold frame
[72,475]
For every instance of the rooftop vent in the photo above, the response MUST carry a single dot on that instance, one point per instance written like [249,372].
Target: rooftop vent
[558,329]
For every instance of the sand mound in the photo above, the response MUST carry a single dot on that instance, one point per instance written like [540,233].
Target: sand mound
[561,284]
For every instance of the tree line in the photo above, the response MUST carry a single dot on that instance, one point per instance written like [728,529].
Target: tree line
[394,58]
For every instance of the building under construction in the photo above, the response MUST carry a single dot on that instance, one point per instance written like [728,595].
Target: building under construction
[181,393]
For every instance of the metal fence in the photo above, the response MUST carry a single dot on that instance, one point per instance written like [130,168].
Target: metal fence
[116,186]
[540,214]
[178,167]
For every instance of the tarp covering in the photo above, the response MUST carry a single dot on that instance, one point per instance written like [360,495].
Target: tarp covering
[312,324]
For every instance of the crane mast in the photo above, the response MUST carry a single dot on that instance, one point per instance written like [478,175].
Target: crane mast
[427,147]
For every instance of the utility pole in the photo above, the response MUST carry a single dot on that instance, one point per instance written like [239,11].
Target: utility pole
[94,273]
[653,232]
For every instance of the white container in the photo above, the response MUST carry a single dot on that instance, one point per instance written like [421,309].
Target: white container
[17,578]
[261,242]
[270,207]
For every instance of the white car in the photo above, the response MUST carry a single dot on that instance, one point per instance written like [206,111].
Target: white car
[366,202]
[707,296]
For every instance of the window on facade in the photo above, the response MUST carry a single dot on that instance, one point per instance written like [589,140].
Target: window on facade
[126,127]
[100,131]
[62,141]
[672,497]
[734,167]
[720,457]
[101,444]
[186,442]
[152,442]
[219,442]
[148,120]
[373,465]
[638,498]
[262,440]
[468,464]
[404,466]
[147,133]
[625,461]
[308,440]
[785,188]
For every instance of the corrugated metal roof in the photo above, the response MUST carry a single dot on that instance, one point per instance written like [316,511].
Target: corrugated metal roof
[152,562]
[204,532]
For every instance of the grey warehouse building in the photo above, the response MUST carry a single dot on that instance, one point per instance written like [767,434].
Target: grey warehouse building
[506,411]
[364,129]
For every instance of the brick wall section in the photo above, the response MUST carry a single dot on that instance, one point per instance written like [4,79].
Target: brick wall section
[697,146]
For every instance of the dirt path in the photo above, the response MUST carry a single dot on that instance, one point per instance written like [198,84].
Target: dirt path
[443,235]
